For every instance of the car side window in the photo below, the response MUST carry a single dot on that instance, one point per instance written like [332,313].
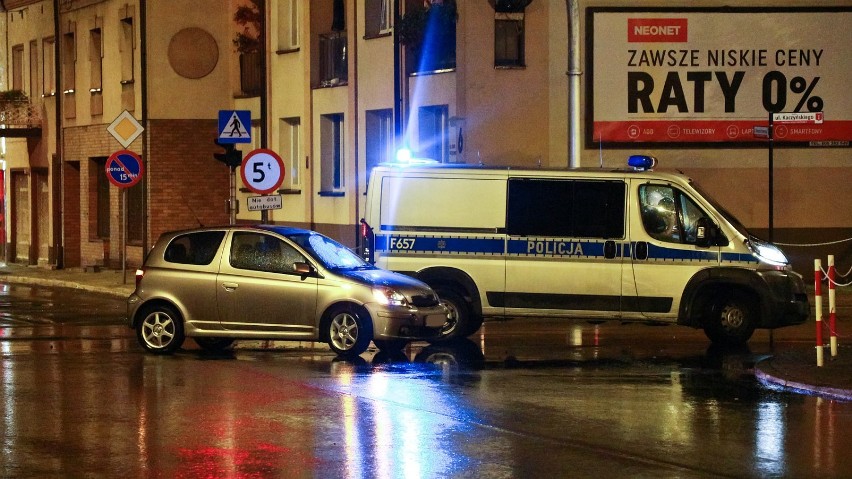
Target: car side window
[668,214]
[194,248]
[262,252]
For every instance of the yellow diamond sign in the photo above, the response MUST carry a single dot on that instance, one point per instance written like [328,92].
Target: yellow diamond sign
[125,128]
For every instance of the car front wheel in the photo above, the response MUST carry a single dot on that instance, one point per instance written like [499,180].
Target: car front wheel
[731,320]
[349,332]
[161,330]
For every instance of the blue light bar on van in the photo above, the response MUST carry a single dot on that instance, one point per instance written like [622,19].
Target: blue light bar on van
[404,158]
[641,162]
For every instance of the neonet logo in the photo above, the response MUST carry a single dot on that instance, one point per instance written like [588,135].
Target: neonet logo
[644,30]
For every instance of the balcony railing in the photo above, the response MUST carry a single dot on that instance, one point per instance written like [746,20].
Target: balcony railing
[333,65]
[19,114]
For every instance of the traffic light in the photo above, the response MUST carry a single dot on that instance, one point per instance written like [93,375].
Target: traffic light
[231,157]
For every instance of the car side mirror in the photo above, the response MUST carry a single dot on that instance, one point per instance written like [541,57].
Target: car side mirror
[708,233]
[303,269]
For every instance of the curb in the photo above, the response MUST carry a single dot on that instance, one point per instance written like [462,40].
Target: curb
[775,382]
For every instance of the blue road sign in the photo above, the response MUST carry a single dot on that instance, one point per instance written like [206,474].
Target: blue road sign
[234,126]
[124,168]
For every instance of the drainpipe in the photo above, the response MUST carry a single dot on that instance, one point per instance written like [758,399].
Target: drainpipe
[146,139]
[57,67]
[574,74]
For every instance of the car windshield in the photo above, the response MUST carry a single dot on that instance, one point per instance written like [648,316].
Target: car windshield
[727,214]
[328,252]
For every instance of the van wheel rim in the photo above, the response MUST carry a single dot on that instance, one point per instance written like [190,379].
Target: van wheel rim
[452,318]
[732,318]
[344,331]
[158,330]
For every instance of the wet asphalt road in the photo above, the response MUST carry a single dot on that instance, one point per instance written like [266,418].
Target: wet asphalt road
[523,398]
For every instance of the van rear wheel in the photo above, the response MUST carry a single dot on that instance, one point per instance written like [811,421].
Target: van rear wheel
[461,322]
[731,320]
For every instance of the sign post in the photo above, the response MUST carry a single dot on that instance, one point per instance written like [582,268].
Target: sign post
[124,169]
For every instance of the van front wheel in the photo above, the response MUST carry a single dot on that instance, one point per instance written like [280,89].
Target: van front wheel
[461,322]
[731,320]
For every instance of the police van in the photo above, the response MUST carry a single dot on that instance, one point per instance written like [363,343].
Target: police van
[632,244]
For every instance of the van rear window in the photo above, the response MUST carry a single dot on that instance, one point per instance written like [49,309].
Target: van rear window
[566,208]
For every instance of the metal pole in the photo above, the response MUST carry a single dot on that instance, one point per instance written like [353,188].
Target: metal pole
[232,201]
[818,310]
[124,236]
[771,180]
[574,74]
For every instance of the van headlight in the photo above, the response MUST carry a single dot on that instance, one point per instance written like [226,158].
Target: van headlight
[389,297]
[768,253]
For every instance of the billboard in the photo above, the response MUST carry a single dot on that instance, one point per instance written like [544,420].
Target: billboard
[698,75]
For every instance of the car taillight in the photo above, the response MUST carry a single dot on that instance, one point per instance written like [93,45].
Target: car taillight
[139,273]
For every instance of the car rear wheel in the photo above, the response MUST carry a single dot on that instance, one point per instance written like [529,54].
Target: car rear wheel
[214,344]
[461,322]
[731,320]
[161,330]
[349,331]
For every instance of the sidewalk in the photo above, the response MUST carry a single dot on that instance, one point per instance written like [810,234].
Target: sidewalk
[794,370]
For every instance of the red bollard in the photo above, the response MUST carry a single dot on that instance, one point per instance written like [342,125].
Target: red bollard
[818,306]
[832,309]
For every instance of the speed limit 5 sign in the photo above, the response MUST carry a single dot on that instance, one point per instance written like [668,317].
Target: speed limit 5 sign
[262,171]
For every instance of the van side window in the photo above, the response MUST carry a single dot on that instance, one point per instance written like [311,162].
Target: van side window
[565,208]
[262,252]
[194,248]
[668,214]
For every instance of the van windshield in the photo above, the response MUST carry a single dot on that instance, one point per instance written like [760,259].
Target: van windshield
[329,253]
[721,209]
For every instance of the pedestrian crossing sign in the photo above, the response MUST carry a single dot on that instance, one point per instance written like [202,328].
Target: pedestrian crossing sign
[234,126]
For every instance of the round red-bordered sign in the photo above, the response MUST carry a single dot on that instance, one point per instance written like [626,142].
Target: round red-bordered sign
[124,168]
[262,171]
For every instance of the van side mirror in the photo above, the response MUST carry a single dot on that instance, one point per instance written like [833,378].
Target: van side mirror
[708,233]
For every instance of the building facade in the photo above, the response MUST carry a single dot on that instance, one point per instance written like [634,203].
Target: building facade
[336,87]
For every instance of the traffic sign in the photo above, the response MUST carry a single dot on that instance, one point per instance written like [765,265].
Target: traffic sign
[125,128]
[262,171]
[265,202]
[761,131]
[124,168]
[234,126]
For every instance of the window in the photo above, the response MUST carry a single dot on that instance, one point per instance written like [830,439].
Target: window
[379,138]
[34,85]
[194,248]
[508,39]
[288,25]
[48,48]
[566,208]
[69,74]
[433,132]
[378,17]
[289,145]
[261,252]
[334,67]
[96,57]
[18,67]
[668,214]
[135,213]
[101,198]
[331,153]
[127,48]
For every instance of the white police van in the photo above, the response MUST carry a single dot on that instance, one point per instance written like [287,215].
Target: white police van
[632,244]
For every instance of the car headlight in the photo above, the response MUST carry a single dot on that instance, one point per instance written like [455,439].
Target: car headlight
[390,297]
[769,253]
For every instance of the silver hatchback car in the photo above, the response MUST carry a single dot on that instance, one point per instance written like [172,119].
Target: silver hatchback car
[278,283]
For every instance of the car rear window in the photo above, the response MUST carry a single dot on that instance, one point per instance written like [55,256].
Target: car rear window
[194,248]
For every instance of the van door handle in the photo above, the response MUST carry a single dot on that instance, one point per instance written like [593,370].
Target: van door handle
[230,286]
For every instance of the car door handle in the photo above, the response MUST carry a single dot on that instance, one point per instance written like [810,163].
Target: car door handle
[230,286]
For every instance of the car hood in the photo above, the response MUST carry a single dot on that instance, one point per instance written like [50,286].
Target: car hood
[383,277]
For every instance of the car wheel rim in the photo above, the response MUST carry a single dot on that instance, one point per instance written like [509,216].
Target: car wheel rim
[733,318]
[158,330]
[344,331]
[452,318]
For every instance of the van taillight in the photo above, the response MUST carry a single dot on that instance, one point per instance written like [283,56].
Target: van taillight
[139,273]
[367,241]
